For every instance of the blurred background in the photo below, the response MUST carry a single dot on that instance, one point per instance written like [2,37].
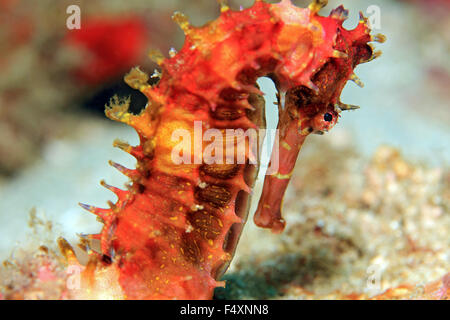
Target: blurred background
[55,140]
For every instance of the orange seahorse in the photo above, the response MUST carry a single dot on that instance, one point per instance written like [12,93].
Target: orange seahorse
[172,234]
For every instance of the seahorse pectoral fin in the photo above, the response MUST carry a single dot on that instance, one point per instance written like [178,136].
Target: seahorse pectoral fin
[285,153]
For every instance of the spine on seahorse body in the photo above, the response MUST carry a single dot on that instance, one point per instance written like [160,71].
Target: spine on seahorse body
[172,234]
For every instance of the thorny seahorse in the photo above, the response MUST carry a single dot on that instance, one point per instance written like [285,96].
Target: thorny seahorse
[172,234]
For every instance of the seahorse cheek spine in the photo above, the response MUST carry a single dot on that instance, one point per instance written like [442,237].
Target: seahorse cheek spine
[171,234]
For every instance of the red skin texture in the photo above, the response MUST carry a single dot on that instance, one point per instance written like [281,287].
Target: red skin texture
[167,237]
[331,80]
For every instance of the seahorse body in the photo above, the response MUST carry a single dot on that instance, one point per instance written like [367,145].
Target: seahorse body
[172,234]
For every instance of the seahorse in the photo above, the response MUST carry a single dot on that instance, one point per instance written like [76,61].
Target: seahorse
[173,232]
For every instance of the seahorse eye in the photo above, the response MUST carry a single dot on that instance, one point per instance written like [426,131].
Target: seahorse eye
[328,117]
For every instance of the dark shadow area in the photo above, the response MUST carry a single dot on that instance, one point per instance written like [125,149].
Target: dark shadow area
[96,101]
[267,279]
